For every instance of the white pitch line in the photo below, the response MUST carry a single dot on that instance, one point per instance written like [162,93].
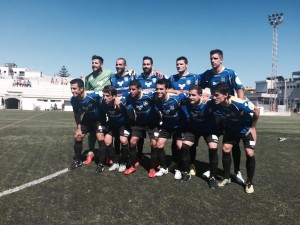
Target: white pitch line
[32,183]
[20,121]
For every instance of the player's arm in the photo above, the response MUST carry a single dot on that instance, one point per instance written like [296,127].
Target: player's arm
[240,93]
[131,115]
[252,129]
[256,113]
[172,91]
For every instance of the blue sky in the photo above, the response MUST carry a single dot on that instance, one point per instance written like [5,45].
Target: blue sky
[44,35]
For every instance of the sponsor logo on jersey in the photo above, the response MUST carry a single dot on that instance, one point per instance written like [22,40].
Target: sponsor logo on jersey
[120,83]
[181,86]
[148,84]
[139,107]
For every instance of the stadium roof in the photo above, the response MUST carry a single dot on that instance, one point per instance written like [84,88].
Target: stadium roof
[296,73]
[279,78]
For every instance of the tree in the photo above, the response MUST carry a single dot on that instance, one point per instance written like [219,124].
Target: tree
[63,72]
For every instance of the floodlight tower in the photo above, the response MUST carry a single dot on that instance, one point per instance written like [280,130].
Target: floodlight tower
[275,20]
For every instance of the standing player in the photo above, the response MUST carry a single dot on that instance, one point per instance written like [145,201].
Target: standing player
[95,81]
[201,122]
[147,79]
[168,106]
[117,126]
[145,119]
[122,78]
[209,79]
[86,113]
[240,124]
[182,82]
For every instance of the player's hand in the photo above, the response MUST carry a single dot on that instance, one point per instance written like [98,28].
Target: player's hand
[252,130]
[205,98]
[159,73]
[117,102]
[78,134]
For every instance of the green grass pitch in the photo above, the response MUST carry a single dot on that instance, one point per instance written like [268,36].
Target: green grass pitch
[35,144]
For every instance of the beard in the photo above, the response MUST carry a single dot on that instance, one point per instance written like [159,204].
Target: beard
[147,70]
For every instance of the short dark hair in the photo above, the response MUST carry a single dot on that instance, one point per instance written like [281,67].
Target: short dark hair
[163,82]
[196,88]
[183,58]
[148,58]
[109,89]
[217,51]
[122,59]
[77,81]
[222,88]
[98,57]
[135,83]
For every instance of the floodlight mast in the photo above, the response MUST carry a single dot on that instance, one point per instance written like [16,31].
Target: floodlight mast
[274,20]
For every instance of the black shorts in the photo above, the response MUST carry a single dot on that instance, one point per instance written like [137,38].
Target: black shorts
[116,132]
[91,127]
[139,131]
[167,133]
[248,140]
[193,137]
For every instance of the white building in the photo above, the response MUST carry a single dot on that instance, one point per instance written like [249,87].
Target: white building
[278,94]
[42,94]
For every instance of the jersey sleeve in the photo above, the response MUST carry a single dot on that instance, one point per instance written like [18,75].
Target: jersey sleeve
[202,81]
[183,96]
[185,111]
[236,82]
[74,105]
[170,79]
[87,86]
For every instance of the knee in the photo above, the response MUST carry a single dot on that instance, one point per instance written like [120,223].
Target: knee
[226,149]
[78,138]
[250,153]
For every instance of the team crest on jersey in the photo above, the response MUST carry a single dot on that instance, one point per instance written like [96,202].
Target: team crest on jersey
[145,103]
[222,79]
[172,107]
[148,84]
[125,79]
[154,79]
[188,82]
